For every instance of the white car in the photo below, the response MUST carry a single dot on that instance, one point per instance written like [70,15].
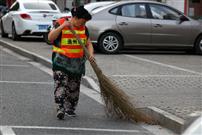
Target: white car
[195,128]
[28,17]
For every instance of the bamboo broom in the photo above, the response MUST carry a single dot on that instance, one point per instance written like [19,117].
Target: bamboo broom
[116,101]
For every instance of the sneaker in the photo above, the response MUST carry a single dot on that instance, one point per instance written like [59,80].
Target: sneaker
[60,115]
[70,113]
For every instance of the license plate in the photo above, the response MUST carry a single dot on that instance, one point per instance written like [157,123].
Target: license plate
[43,27]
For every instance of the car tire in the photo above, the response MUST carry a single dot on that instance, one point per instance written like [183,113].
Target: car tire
[14,35]
[3,34]
[198,45]
[110,43]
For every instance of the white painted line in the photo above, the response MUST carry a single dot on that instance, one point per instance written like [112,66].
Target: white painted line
[15,54]
[24,82]
[95,95]
[92,94]
[6,130]
[73,128]
[164,65]
[5,65]
[93,84]
[156,76]
[158,130]
[42,68]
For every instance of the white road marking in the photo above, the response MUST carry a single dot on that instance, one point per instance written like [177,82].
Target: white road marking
[25,82]
[9,128]
[5,65]
[156,75]
[158,130]
[164,65]
[15,54]
[6,130]
[92,94]
[88,92]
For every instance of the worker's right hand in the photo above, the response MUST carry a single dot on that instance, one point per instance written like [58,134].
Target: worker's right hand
[66,24]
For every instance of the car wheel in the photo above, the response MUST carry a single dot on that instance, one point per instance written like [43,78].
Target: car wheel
[3,34]
[198,45]
[110,43]
[45,37]
[14,34]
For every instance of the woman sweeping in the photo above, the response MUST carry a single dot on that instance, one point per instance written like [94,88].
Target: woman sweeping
[68,59]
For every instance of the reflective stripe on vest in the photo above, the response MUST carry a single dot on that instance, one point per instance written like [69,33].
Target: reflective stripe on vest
[68,52]
[69,45]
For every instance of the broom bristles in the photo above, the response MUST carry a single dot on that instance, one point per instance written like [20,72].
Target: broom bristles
[116,101]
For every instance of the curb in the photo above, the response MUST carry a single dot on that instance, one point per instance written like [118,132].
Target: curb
[164,118]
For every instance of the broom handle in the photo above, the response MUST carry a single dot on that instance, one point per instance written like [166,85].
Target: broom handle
[87,54]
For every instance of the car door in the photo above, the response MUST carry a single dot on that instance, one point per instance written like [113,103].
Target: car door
[9,17]
[167,30]
[134,24]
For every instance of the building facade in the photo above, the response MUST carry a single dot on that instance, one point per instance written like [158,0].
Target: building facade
[191,8]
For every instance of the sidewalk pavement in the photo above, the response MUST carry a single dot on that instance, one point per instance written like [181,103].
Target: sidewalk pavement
[170,100]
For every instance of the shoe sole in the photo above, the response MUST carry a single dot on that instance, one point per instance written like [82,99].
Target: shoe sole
[60,116]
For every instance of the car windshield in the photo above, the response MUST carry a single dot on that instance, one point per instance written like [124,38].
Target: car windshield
[101,8]
[39,5]
[92,6]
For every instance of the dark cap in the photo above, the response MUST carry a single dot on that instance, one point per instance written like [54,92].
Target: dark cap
[81,12]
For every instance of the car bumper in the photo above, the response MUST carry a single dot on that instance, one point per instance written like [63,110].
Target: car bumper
[30,27]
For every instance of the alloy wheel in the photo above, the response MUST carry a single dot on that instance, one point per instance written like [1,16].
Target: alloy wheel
[110,43]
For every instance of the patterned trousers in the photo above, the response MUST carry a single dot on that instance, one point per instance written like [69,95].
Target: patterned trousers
[67,91]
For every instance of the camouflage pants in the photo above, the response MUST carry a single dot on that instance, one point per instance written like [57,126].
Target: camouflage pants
[67,91]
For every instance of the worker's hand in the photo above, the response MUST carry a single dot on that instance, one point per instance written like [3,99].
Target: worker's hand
[91,58]
[66,24]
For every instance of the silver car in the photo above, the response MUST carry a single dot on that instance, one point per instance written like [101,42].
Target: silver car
[143,24]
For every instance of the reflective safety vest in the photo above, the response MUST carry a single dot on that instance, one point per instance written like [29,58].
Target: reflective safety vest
[69,45]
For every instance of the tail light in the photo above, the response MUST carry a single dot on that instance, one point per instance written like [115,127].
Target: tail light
[26,16]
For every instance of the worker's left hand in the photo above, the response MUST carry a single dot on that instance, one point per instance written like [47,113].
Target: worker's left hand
[91,58]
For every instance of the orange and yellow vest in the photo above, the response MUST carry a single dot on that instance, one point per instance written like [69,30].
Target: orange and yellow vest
[69,45]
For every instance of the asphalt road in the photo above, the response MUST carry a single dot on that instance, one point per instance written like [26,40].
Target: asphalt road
[141,73]
[27,105]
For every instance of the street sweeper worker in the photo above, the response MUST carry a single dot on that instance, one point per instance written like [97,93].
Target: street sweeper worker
[68,59]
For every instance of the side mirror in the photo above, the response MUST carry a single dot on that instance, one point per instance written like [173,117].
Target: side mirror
[183,18]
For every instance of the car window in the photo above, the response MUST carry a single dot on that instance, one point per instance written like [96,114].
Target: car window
[15,7]
[163,13]
[38,5]
[114,11]
[134,10]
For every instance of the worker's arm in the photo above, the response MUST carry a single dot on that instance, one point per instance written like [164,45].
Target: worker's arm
[90,50]
[54,33]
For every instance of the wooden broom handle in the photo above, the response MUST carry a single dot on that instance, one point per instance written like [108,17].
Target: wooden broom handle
[87,54]
[80,42]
